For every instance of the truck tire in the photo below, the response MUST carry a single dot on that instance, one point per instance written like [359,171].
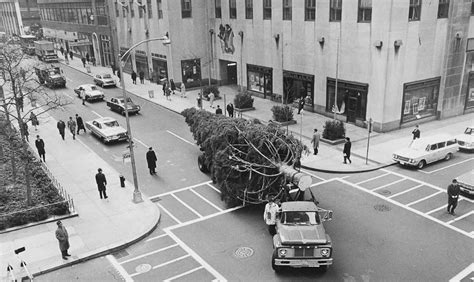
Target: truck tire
[202,166]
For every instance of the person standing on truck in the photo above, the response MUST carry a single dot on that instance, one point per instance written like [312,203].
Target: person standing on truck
[271,209]
[453,196]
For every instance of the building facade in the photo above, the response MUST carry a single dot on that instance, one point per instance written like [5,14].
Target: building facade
[396,62]
[80,26]
[10,17]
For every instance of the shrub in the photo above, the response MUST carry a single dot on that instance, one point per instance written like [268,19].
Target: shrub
[243,100]
[38,214]
[3,223]
[282,113]
[17,218]
[334,129]
[60,208]
[208,89]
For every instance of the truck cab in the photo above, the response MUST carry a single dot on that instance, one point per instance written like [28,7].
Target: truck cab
[301,239]
[50,76]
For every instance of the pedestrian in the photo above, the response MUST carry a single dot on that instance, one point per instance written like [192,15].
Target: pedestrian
[134,77]
[172,85]
[113,69]
[71,55]
[62,50]
[61,126]
[347,150]
[168,93]
[93,61]
[151,160]
[63,238]
[230,110]
[300,104]
[141,74]
[164,88]
[315,141]
[71,124]
[211,99]
[199,100]
[101,183]
[453,196]
[118,75]
[83,61]
[83,96]
[218,110]
[416,132]
[80,124]
[39,143]
[183,90]
[25,131]
[34,120]
[87,57]
[271,209]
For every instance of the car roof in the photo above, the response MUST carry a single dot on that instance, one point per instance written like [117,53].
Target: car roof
[102,74]
[105,119]
[299,206]
[435,138]
[87,85]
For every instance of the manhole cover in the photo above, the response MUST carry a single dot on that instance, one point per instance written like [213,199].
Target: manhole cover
[243,252]
[385,192]
[382,208]
[142,268]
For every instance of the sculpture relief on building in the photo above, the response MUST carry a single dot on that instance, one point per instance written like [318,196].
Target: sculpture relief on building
[226,36]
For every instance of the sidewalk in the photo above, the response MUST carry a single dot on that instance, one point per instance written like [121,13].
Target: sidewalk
[330,157]
[103,226]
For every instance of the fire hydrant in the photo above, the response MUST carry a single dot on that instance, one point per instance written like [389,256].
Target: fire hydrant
[122,181]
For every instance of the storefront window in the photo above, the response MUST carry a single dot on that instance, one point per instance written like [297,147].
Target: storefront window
[296,86]
[191,70]
[420,99]
[259,79]
[470,91]
[351,99]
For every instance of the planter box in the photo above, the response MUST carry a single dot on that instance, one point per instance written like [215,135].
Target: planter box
[215,98]
[332,142]
[284,123]
[361,123]
[244,109]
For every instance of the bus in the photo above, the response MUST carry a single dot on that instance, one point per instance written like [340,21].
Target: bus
[27,44]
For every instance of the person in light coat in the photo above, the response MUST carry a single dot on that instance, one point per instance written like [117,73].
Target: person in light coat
[271,209]
[63,238]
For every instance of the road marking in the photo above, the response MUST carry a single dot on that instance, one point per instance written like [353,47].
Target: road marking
[448,166]
[156,237]
[69,96]
[370,179]
[408,208]
[437,209]
[184,273]
[416,180]
[206,200]
[179,137]
[460,217]
[96,114]
[463,273]
[311,174]
[405,191]
[166,211]
[186,205]
[422,199]
[212,186]
[145,145]
[163,264]
[119,268]
[391,183]
[178,190]
[149,253]
[203,218]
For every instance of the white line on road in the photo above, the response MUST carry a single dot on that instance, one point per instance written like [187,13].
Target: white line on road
[212,186]
[424,198]
[179,190]
[181,138]
[69,96]
[163,264]
[391,183]
[448,166]
[463,273]
[186,205]
[184,273]
[149,253]
[405,191]
[157,237]
[437,209]
[96,114]
[171,215]
[203,218]
[145,145]
[415,180]
[370,179]
[119,268]
[460,217]
[206,200]
[312,174]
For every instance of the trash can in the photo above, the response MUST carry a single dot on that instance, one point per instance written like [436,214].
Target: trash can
[122,181]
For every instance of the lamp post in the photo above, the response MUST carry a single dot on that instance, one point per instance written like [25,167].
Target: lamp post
[137,195]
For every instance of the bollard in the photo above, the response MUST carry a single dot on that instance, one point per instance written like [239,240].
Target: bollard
[122,181]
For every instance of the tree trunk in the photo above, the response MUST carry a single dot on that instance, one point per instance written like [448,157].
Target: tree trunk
[303,181]
[28,184]
[12,158]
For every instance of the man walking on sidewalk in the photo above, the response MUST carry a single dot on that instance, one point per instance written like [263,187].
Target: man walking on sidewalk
[315,141]
[134,77]
[39,143]
[230,110]
[347,150]
[453,196]
[61,126]
[71,124]
[63,238]
[141,74]
[101,183]
[218,110]
[80,124]
[151,160]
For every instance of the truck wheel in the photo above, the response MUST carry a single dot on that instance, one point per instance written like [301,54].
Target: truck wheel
[201,165]
[448,157]
[276,268]
[421,164]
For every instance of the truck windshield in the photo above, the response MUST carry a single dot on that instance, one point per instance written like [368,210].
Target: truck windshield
[300,218]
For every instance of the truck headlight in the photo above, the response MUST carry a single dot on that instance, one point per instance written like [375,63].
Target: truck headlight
[282,252]
[411,160]
[394,156]
[325,252]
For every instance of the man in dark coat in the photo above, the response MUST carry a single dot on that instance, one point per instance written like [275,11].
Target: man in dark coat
[347,150]
[80,124]
[61,127]
[134,77]
[71,54]
[101,183]
[141,74]
[300,105]
[83,61]
[218,110]
[230,110]
[453,196]
[151,160]
[87,57]
[172,86]
[39,143]
[416,132]
[63,238]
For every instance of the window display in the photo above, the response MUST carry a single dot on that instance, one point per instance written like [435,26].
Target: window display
[191,70]
[259,79]
[423,98]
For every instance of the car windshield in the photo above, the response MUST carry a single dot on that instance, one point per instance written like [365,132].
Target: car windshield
[93,87]
[128,100]
[106,76]
[111,124]
[300,218]
[469,131]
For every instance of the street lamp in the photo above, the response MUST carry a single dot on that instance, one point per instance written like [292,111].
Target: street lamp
[137,195]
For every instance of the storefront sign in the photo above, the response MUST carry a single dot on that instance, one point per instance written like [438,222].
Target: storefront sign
[77,43]
[298,76]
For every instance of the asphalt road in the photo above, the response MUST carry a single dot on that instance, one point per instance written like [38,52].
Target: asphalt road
[389,224]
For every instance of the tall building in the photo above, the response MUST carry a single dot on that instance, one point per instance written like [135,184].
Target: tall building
[397,62]
[30,15]
[10,17]
[80,26]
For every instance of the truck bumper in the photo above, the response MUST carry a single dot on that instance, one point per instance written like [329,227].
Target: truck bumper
[303,262]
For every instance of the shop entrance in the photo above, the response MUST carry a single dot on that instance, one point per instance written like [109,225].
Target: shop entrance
[228,72]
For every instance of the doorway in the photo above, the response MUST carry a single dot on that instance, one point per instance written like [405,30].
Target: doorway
[232,73]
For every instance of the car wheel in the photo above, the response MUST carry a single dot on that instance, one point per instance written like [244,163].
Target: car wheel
[421,164]
[276,268]
[201,165]
[448,157]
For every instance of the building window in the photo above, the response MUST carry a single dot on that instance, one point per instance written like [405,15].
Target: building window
[140,8]
[232,9]
[191,70]
[443,8]
[160,9]
[149,9]
[365,11]
[415,10]
[309,10]
[249,9]
[472,7]
[287,10]
[351,99]
[218,9]
[297,86]
[267,9]
[259,79]
[186,11]
[335,10]
[470,92]
[420,99]
[117,11]
[132,11]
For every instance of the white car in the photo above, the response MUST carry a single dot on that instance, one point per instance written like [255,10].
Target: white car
[91,92]
[466,182]
[107,129]
[427,150]
[466,140]
[104,80]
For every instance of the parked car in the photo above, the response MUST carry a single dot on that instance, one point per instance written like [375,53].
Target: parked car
[91,92]
[466,140]
[117,104]
[466,182]
[107,129]
[104,80]
[427,150]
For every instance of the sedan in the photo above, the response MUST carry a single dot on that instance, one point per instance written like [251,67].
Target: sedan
[104,80]
[466,140]
[107,129]
[90,91]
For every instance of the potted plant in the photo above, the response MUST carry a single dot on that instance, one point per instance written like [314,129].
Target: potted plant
[283,114]
[208,89]
[243,102]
